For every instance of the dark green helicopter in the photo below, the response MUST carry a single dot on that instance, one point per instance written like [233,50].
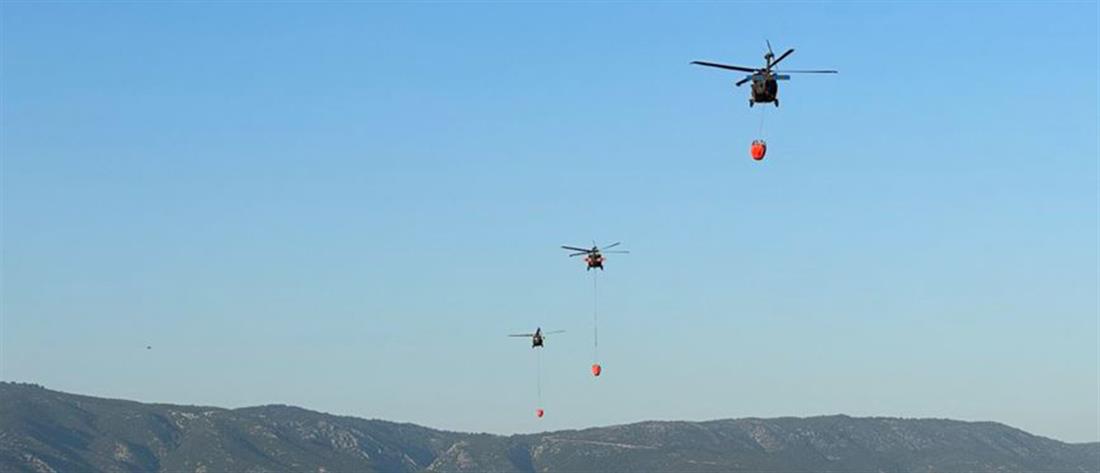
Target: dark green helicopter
[538,337]
[765,85]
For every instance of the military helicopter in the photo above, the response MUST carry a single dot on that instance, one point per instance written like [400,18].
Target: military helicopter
[538,337]
[594,255]
[765,85]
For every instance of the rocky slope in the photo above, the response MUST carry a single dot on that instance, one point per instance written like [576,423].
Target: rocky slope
[49,431]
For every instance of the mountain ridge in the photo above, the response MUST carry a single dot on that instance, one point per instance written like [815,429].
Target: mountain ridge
[42,430]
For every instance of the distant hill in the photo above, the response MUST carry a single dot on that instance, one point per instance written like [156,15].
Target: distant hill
[49,431]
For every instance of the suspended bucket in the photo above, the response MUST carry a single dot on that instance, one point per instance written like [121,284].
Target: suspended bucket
[538,413]
[596,369]
[758,149]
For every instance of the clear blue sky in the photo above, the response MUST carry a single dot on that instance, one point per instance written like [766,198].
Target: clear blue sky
[347,206]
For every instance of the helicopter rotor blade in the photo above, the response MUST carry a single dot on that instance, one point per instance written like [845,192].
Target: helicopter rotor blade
[742,81]
[769,43]
[781,57]
[578,254]
[611,245]
[586,250]
[553,331]
[619,252]
[522,335]
[806,72]
[724,66]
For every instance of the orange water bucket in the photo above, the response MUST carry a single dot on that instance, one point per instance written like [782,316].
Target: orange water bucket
[758,149]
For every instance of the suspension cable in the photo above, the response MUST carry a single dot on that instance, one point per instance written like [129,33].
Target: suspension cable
[595,319]
[763,113]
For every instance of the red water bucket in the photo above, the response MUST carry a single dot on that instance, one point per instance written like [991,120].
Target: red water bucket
[758,149]
[596,369]
[538,412]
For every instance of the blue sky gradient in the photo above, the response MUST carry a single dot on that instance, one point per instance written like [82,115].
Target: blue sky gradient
[347,206]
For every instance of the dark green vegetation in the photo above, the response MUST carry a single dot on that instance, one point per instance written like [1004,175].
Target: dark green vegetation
[43,430]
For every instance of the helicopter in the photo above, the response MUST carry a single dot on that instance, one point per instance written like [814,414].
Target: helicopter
[538,337]
[765,85]
[594,256]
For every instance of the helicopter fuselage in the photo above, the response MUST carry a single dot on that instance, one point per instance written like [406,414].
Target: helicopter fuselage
[764,91]
[594,260]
